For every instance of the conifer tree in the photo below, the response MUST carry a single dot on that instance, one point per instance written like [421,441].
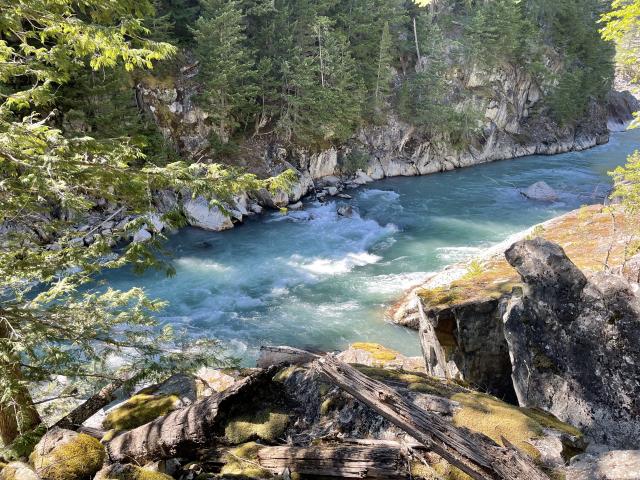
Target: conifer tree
[55,321]
[227,71]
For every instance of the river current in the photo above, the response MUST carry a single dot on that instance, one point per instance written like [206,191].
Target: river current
[313,279]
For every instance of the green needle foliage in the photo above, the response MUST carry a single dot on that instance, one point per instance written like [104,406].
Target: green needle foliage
[54,319]
[622,26]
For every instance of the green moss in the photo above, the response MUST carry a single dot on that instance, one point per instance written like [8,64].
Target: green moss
[133,472]
[78,459]
[264,425]
[416,381]
[496,419]
[243,462]
[326,406]
[449,472]
[547,420]
[138,410]
[284,374]
[377,351]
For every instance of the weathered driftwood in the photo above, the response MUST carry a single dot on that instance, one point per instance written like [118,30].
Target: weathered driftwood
[476,455]
[185,429]
[343,461]
[432,351]
[270,355]
[74,419]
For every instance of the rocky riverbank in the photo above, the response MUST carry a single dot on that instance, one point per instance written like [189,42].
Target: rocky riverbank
[503,324]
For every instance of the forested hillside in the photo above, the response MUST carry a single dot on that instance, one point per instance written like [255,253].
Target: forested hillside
[310,73]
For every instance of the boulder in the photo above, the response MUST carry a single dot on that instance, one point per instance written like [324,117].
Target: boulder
[361,178]
[574,343]
[201,215]
[18,471]
[613,465]
[333,191]
[295,206]
[67,455]
[345,211]
[540,191]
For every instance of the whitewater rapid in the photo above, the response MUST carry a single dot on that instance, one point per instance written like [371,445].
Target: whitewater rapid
[314,279]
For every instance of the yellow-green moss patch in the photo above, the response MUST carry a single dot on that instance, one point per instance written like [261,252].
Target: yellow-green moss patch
[264,425]
[377,351]
[78,459]
[496,419]
[417,381]
[243,462]
[284,374]
[138,410]
[133,472]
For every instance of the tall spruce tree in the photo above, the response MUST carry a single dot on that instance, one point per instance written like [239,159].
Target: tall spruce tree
[227,70]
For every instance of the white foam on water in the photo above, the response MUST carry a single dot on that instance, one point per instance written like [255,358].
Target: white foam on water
[334,266]
[457,254]
[393,283]
[389,195]
[192,264]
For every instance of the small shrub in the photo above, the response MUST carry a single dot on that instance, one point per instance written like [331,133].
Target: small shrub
[353,161]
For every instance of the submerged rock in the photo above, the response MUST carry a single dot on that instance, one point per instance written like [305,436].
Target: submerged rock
[575,343]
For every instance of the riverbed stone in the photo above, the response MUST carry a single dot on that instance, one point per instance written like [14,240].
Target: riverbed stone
[540,191]
[200,214]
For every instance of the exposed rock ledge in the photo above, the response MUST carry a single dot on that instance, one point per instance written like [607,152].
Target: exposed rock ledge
[547,334]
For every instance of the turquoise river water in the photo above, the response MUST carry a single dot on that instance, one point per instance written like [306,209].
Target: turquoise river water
[316,280]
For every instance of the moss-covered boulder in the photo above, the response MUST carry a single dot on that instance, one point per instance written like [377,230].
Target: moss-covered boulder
[67,455]
[118,471]
[18,471]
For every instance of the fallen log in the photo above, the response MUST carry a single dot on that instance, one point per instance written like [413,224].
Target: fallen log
[270,355]
[184,430]
[74,419]
[343,461]
[475,454]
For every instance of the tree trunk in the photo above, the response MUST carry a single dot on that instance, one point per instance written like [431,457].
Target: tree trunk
[17,412]
[78,415]
[185,429]
[475,454]
[415,36]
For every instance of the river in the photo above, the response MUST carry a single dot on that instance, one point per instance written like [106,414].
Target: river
[313,279]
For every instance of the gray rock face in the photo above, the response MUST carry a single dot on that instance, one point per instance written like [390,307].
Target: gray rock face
[614,465]
[472,338]
[575,344]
